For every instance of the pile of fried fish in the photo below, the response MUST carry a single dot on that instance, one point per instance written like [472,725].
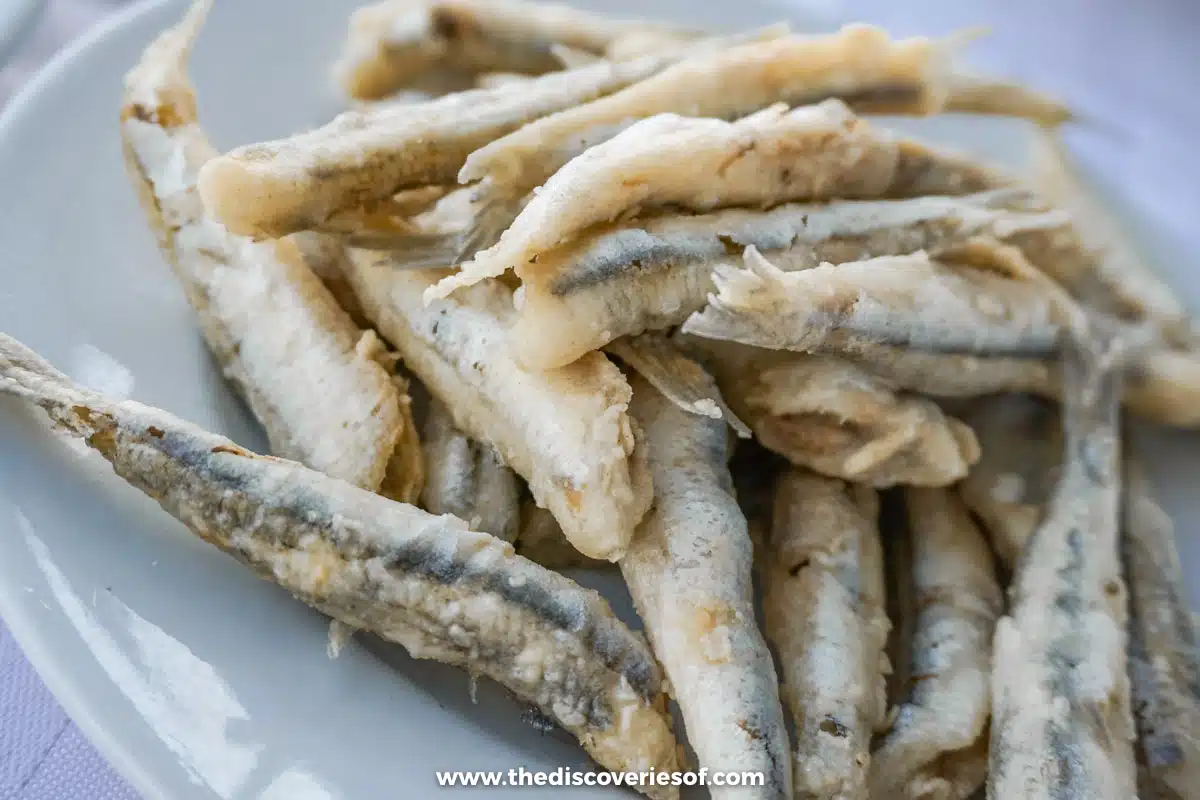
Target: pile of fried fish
[608,254]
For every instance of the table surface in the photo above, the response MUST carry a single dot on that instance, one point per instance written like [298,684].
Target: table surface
[1130,68]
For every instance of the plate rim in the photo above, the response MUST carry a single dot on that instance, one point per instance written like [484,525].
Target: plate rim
[70,695]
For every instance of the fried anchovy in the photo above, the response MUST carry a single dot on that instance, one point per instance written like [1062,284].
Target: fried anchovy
[1117,280]
[565,431]
[823,600]
[1020,437]
[321,388]
[858,64]
[907,301]
[388,45]
[425,582]
[1162,385]
[466,478]
[1164,659]
[825,414]
[770,157]
[363,157]
[653,273]
[391,43]
[680,378]
[1062,726]
[936,746]
[689,570]
[541,540]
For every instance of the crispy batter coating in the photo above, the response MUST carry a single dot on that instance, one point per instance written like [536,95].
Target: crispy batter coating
[425,582]
[322,388]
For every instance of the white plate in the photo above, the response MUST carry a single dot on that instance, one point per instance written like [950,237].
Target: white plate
[15,17]
[195,678]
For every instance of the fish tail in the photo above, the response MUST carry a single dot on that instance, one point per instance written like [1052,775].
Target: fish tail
[25,374]
[418,251]
[22,367]
[495,210]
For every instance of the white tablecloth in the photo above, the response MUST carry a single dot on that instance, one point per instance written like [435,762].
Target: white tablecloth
[1130,67]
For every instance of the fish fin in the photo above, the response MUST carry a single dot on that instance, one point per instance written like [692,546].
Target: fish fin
[678,377]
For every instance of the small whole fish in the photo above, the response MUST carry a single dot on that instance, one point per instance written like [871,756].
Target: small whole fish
[1164,650]
[825,414]
[936,746]
[653,273]
[391,43]
[424,582]
[323,389]
[366,156]
[467,479]
[823,601]
[1062,726]
[689,570]
[566,431]
[858,64]
[909,301]
[1020,437]
[770,157]
[1117,279]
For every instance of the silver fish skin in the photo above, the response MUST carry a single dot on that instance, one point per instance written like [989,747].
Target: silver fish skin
[1062,726]
[823,600]
[936,746]
[773,156]
[322,389]
[906,301]
[1164,649]
[689,570]
[1161,385]
[425,582]
[1021,445]
[653,273]
[467,479]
